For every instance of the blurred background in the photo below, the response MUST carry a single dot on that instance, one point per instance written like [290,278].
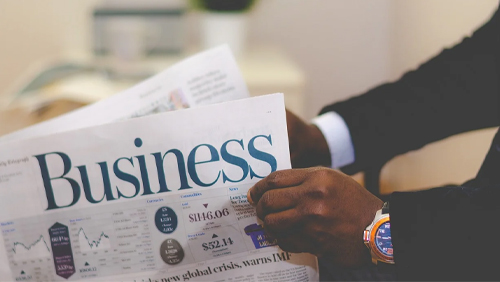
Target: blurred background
[315,51]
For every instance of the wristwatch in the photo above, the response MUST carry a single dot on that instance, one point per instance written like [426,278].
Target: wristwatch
[377,237]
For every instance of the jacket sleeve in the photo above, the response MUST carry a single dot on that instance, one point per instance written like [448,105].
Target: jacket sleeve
[455,92]
[447,233]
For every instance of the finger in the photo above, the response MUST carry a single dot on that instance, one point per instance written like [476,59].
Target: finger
[282,223]
[277,179]
[277,200]
[288,228]
[299,242]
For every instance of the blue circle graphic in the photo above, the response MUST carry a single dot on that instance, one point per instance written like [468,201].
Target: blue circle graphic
[166,220]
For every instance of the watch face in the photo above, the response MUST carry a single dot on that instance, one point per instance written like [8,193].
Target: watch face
[383,239]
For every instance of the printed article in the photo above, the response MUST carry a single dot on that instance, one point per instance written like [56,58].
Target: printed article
[206,78]
[160,197]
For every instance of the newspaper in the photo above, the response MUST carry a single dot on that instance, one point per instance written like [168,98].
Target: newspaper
[159,198]
[147,200]
[209,77]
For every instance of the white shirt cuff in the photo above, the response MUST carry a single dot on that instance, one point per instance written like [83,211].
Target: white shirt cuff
[337,135]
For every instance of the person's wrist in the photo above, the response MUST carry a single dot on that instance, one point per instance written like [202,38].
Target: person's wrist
[316,151]
[369,215]
[377,238]
[371,212]
[366,215]
[320,149]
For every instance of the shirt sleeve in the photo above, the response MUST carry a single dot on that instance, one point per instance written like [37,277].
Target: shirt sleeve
[338,137]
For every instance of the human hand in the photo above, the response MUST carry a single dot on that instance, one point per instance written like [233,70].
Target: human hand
[308,146]
[316,210]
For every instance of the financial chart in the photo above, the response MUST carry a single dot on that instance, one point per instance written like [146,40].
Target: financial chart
[158,234]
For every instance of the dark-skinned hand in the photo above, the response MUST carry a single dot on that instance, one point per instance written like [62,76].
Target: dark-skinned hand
[316,210]
[308,146]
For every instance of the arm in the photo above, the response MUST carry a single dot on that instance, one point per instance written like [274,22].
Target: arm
[457,91]
[442,233]
[447,233]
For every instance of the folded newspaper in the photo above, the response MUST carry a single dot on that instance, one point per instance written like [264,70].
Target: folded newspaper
[98,195]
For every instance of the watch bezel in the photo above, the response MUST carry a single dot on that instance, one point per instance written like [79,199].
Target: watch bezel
[380,256]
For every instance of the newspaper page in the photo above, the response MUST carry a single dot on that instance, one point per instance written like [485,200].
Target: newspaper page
[156,198]
[209,77]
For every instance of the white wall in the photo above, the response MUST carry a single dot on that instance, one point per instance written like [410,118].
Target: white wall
[423,27]
[347,47]
[343,46]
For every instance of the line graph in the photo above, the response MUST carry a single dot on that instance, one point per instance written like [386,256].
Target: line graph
[37,249]
[87,245]
[50,247]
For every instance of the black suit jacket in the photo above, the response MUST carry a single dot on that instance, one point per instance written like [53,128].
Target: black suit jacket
[453,232]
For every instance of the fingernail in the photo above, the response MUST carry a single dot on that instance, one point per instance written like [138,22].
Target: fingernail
[249,198]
